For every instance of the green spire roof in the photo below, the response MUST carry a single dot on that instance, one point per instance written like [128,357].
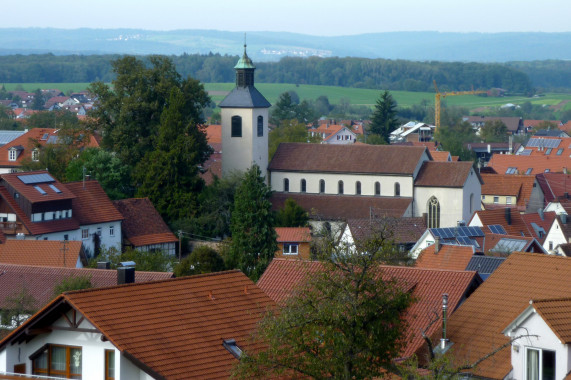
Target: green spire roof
[245,62]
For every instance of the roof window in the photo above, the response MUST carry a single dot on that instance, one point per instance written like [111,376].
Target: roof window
[528,171]
[232,347]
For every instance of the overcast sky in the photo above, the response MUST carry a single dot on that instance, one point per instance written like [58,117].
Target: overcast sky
[315,17]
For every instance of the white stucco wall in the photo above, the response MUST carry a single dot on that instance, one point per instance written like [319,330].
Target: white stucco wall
[239,153]
[555,236]
[535,325]
[349,181]
[344,136]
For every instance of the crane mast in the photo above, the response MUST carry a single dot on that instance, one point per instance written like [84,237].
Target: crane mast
[438,96]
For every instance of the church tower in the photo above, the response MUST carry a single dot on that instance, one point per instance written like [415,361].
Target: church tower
[244,114]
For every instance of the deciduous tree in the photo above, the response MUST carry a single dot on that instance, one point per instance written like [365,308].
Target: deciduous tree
[494,131]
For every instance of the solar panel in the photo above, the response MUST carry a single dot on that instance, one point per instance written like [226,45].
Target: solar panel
[36,178]
[526,152]
[40,190]
[497,229]
[55,189]
[464,240]
[535,142]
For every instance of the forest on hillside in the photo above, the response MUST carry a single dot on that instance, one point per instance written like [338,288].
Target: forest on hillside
[516,78]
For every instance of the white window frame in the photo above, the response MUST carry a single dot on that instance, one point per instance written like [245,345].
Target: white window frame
[496,200]
[85,233]
[35,155]
[12,155]
[111,230]
[287,250]
[539,362]
[508,200]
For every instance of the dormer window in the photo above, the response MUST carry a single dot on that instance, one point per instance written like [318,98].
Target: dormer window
[12,154]
[35,155]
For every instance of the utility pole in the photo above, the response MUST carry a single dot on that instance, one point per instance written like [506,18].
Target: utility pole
[179,246]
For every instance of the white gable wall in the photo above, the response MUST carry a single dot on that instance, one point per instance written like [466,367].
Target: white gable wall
[535,325]
[554,236]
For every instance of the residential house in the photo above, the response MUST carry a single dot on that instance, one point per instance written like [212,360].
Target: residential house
[484,265]
[485,151]
[212,167]
[441,156]
[558,234]
[531,125]
[502,190]
[100,222]
[447,257]
[509,219]
[551,133]
[475,329]
[143,227]
[539,223]
[343,136]
[459,235]
[544,350]
[283,277]
[555,187]
[412,131]
[293,243]
[66,254]
[188,327]
[514,124]
[446,191]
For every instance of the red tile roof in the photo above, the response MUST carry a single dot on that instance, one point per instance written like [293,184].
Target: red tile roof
[342,207]
[441,156]
[143,225]
[386,159]
[30,192]
[282,276]
[401,230]
[476,327]
[539,164]
[214,134]
[451,257]
[91,205]
[173,327]
[556,313]
[519,186]
[545,223]
[293,234]
[554,185]
[444,174]
[40,281]
[47,253]
[499,216]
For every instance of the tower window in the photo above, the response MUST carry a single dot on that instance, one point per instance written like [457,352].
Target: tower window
[358,188]
[286,184]
[377,188]
[397,189]
[322,186]
[303,186]
[236,126]
[260,126]
[340,187]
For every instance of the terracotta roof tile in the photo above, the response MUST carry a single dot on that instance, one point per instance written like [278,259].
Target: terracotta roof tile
[293,234]
[214,134]
[282,276]
[385,159]
[30,191]
[476,327]
[402,230]
[40,281]
[444,174]
[451,257]
[539,164]
[556,313]
[143,225]
[515,227]
[342,207]
[554,185]
[91,204]
[48,253]
[519,186]
[189,316]
[441,156]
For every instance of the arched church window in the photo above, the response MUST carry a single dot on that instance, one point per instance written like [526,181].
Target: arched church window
[358,188]
[286,184]
[303,185]
[236,126]
[322,186]
[340,187]
[433,213]
[260,126]
[397,189]
[377,188]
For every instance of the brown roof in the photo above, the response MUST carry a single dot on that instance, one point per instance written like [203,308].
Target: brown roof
[282,277]
[519,186]
[343,207]
[476,327]
[539,164]
[349,158]
[556,313]
[513,123]
[545,223]
[48,253]
[91,204]
[441,156]
[293,234]
[554,185]
[500,216]
[451,257]
[444,174]
[172,328]
[30,192]
[402,230]
[143,225]
[40,281]
[214,133]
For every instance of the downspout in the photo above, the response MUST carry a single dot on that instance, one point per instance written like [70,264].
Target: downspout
[444,317]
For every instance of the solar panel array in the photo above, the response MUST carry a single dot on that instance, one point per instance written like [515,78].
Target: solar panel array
[455,232]
[465,240]
[525,152]
[36,178]
[534,142]
[497,229]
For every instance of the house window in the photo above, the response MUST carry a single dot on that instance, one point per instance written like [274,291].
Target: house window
[508,200]
[358,188]
[340,187]
[290,248]
[12,155]
[546,170]
[377,188]
[559,151]
[528,171]
[35,155]
[286,185]
[397,189]
[548,152]
[551,246]
[98,231]
[236,126]
[433,213]
[303,186]
[511,170]
[85,233]
[322,186]
[260,126]
[57,361]
[540,364]
[496,200]
[111,230]
[471,202]
[109,364]
[66,237]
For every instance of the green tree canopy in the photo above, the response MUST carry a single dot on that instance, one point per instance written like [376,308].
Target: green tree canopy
[384,119]
[253,235]
[292,215]
[289,131]
[494,131]
[72,283]
[203,259]
[38,103]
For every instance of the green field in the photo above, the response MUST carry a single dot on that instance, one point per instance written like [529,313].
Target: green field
[356,96]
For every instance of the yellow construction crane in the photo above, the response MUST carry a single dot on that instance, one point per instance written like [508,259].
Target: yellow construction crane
[440,95]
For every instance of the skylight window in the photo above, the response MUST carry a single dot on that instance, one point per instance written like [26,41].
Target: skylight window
[511,170]
[40,190]
[55,189]
[548,151]
[232,347]
[528,171]
[559,151]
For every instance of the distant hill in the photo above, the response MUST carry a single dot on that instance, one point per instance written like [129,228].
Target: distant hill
[271,46]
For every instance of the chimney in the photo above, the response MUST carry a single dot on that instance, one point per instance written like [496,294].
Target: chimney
[510,144]
[125,275]
[436,245]
[508,216]
[104,265]
[489,149]
[444,320]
